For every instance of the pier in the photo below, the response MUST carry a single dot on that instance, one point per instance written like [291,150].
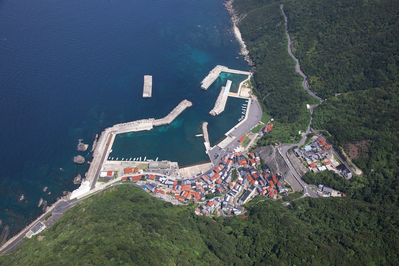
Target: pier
[220,103]
[214,74]
[206,136]
[107,137]
[147,89]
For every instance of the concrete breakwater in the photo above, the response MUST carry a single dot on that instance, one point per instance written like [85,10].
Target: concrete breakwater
[214,74]
[173,114]
[147,88]
[107,137]
[206,136]
[220,103]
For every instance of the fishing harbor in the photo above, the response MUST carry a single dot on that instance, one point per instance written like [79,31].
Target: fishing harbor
[103,157]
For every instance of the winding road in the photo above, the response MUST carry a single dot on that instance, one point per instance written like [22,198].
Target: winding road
[283,149]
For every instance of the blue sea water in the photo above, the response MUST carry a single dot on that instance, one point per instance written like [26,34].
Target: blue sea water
[69,69]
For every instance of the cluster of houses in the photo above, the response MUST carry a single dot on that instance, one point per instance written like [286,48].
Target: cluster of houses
[265,183]
[316,156]
[250,182]
[216,190]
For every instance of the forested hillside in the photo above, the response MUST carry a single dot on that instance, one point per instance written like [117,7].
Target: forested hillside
[279,88]
[345,47]
[350,52]
[127,226]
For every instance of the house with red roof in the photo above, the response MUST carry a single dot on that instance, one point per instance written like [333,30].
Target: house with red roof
[128,170]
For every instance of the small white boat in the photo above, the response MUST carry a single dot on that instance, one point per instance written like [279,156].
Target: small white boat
[156,159]
[130,159]
[123,158]
[140,159]
[112,158]
[134,159]
[145,158]
[116,158]
[110,151]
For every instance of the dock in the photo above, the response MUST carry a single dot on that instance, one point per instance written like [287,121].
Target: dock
[107,137]
[214,74]
[206,136]
[220,103]
[147,89]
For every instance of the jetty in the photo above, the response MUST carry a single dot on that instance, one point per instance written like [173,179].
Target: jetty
[206,136]
[147,89]
[107,137]
[214,74]
[220,103]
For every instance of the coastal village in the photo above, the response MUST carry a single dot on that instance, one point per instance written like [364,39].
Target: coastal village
[239,177]
[222,187]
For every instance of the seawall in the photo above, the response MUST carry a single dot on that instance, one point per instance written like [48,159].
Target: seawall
[107,137]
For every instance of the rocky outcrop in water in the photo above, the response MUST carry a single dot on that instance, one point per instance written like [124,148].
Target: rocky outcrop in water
[79,159]
[4,235]
[40,202]
[44,205]
[77,180]
[82,146]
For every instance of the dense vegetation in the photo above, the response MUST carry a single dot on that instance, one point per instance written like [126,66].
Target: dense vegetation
[279,88]
[350,52]
[349,49]
[346,45]
[127,226]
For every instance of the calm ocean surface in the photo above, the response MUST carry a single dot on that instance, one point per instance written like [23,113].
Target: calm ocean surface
[69,69]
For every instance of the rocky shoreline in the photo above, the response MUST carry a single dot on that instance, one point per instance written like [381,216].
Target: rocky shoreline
[235,19]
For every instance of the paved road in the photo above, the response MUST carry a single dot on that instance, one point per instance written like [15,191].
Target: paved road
[96,176]
[298,65]
[56,212]
[254,116]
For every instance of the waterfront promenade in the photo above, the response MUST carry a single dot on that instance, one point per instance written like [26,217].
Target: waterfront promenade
[214,74]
